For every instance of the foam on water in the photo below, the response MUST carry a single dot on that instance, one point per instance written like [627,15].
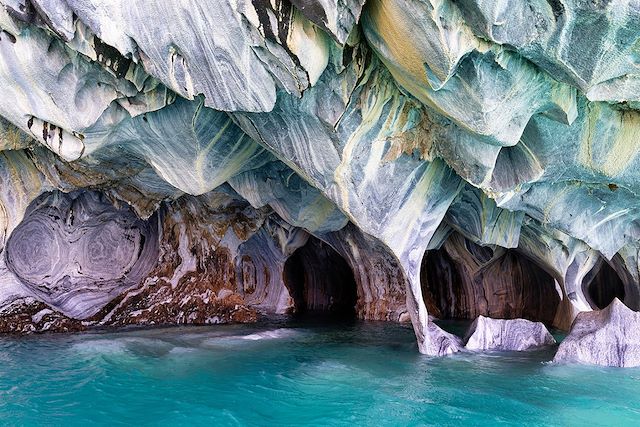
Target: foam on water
[272,334]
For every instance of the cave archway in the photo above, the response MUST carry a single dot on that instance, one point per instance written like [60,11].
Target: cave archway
[602,285]
[320,281]
[463,280]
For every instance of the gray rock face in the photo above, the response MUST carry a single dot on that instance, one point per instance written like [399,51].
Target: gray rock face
[486,333]
[608,337]
[77,251]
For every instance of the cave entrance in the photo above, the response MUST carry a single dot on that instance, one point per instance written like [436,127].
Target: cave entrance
[320,281]
[603,285]
[463,280]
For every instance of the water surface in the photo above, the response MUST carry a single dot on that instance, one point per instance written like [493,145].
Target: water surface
[292,373]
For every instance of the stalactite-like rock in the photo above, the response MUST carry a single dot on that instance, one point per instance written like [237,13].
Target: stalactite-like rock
[269,40]
[448,68]
[297,202]
[608,337]
[507,335]
[581,43]
[337,17]
[480,220]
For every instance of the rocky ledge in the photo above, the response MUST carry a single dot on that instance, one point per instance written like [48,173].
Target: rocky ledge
[29,316]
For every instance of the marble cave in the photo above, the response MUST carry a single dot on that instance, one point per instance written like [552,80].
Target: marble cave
[400,163]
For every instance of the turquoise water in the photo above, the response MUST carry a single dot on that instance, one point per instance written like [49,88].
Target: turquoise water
[296,373]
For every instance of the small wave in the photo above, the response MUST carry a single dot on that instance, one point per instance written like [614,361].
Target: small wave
[272,334]
[99,347]
[134,345]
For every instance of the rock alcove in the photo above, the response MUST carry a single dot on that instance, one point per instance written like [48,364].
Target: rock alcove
[78,251]
[320,281]
[463,280]
[602,285]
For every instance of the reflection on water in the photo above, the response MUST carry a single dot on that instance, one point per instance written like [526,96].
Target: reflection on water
[296,372]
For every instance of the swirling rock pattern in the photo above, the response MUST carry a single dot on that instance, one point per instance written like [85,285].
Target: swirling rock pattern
[77,251]
[383,129]
[463,280]
[194,280]
[608,337]
[487,334]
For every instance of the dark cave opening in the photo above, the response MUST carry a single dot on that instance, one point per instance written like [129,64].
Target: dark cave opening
[602,285]
[463,280]
[320,281]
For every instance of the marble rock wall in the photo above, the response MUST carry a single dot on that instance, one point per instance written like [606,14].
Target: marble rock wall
[82,261]
[463,280]
[77,251]
[160,162]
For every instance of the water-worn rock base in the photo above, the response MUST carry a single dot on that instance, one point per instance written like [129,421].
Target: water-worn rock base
[486,333]
[28,316]
[608,337]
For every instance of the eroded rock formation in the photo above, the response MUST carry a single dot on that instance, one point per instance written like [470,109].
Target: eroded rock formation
[463,280]
[486,333]
[150,176]
[320,280]
[608,337]
[77,251]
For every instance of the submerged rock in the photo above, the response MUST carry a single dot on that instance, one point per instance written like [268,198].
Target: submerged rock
[486,333]
[608,337]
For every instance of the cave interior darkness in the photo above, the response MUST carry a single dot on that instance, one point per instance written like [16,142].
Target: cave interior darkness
[320,282]
[463,280]
[602,285]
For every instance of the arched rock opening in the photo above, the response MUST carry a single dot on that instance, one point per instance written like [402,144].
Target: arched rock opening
[602,285]
[463,280]
[319,280]
[77,251]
